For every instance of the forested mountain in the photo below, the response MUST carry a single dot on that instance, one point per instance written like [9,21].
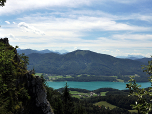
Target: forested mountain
[83,62]
[144,60]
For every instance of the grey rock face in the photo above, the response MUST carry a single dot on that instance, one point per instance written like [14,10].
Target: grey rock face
[39,95]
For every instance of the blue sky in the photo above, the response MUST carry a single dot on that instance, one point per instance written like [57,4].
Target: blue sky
[114,27]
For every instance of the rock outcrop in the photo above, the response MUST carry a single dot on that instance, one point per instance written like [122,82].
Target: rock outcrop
[5,40]
[38,94]
[35,87]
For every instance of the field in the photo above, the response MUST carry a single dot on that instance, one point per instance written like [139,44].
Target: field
[103,93]
[51,78]
[106,104]
[38,74]
[79,95]
[54,77]
[119,80]
[133,111]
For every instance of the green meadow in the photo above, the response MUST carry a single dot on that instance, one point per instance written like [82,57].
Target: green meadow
[106,104]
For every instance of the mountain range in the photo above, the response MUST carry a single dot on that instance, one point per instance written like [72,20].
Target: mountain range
[84,62]
[29,51]
[132,57]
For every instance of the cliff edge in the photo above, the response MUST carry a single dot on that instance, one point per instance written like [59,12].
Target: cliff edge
[36,90]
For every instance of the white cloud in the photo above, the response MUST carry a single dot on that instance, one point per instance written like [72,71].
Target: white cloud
[23,5]
[99,13]
[134,53]
[125,1]
[12,36]
[148,55]
[82,23]
[14,23]
[1,35]
[132,16]
[133,36]
[105,50]
[75,48]
[117,50]
[29,28]
[7,22]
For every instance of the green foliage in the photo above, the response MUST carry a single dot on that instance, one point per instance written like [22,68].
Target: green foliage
[14,96]
[2,2]
[24,58]
[142,104]
[67,100]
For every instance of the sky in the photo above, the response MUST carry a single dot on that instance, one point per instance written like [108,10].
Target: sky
[113,27]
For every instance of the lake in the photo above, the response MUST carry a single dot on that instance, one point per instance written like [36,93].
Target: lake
[94,85]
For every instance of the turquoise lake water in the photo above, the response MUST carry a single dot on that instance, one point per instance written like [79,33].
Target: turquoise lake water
[94,85]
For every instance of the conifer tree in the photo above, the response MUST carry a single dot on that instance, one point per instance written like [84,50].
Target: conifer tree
[66,94]
[67,100]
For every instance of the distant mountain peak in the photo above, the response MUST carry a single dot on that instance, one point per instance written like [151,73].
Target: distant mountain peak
[29,51]
[132,57]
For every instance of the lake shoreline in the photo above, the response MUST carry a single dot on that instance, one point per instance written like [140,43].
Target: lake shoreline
[94,85]
[97,81]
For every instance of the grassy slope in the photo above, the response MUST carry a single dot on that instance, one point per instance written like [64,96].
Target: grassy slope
[38,74]
[103,93]
[106,104]
[77,94]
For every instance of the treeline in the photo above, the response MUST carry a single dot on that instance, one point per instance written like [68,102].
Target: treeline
[88,78]
[62,103]
[85,78]
[97,91]
[74,89]
[138,79]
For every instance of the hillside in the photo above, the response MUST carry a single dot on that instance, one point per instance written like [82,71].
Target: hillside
[83,62]
[144,60]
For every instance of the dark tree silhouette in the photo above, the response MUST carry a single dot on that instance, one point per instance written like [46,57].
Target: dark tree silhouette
[2,2]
